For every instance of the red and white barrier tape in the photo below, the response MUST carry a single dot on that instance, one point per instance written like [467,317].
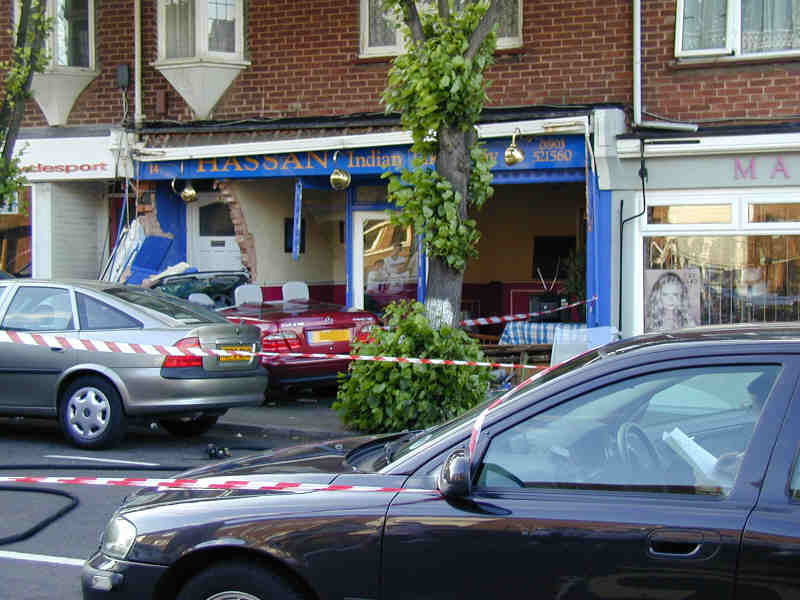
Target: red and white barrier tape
[212,483]
[522,316]
[57,341]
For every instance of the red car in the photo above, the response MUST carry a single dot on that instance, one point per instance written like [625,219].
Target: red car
[307,327]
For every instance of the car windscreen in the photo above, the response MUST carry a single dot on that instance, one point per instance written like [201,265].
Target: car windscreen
[170,306]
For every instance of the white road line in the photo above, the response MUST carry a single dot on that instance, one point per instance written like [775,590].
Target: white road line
[56,560]
[109,460]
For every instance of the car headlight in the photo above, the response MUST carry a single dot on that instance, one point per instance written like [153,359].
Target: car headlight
[118,538]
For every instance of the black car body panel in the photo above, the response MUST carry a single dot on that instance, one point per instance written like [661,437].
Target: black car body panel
[593,532]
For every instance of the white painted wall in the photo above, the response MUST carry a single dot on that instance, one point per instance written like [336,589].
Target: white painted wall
[69,227]
[266,204]
[41,230]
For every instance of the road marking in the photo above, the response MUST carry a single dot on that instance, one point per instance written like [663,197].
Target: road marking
[109,460]
[56,560]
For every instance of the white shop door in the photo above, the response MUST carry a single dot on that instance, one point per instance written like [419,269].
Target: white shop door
[212,239]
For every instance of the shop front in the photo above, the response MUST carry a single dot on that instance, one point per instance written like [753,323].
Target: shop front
[719,244]
[64,223]
[545,226]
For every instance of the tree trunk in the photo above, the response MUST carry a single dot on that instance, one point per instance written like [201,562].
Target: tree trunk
[443,300]
[13,106]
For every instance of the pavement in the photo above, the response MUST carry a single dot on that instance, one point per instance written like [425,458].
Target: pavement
[305,416]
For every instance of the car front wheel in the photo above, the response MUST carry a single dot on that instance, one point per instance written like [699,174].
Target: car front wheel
[90,413]
[237,581]
[189,427]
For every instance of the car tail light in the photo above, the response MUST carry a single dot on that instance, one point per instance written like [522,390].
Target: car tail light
[174,362]
[284,341]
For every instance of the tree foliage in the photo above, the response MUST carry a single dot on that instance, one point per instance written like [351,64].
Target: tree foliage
[390,396]
[27,57]
[438,88]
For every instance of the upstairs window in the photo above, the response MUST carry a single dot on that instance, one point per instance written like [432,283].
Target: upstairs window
[197,28]
[73,33]
[380,37]
[71,41]
[742,28]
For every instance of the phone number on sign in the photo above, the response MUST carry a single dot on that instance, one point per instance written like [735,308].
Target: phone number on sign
[552,150]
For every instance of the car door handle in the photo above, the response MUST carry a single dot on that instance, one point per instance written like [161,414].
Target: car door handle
[678,543]
[56,349]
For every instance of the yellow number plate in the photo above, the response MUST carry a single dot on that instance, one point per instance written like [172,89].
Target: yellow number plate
[235,356]
[330,335]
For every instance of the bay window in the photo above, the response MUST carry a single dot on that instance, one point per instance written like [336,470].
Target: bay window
[190,29]
[380,37]
[71,64]
[742,28]
[73,33]
[71,40]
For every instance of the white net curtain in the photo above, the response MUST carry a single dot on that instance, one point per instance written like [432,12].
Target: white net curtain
[766,25]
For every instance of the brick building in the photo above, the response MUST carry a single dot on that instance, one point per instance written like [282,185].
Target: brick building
[658,136]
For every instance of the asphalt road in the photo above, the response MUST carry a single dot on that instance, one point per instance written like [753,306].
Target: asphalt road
[47,565]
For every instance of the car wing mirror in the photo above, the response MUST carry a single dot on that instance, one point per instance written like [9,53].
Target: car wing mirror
[454,480]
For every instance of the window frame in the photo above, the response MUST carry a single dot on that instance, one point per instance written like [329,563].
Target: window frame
[51,41]
[135,323]
[733,38]
[201,49]
[739,199]
[367,51]
[775,402]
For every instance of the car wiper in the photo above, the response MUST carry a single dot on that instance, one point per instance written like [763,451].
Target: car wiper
[389,448]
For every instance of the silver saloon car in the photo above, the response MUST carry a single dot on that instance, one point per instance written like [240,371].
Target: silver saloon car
[94,393]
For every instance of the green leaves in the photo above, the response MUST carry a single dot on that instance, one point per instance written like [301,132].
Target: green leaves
[384,397]
[433,86]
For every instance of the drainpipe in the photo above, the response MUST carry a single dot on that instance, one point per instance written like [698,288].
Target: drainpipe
[137,54]
[638,123]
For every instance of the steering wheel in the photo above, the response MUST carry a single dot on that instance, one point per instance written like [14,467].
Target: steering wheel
[638,454]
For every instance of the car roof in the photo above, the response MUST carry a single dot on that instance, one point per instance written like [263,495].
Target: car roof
[92,284]
[710,335]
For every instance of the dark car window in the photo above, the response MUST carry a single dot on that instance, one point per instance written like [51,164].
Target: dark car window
[681,431]
[418,440]
[172,307]
[94,314]
[40,309]
[794,486]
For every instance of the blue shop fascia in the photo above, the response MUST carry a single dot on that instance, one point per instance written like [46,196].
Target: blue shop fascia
[530,215]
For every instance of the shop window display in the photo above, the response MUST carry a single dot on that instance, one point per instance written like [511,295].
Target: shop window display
[720,279]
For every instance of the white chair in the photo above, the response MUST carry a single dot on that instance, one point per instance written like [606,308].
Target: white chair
[295,290]
[248,293]
[201,299]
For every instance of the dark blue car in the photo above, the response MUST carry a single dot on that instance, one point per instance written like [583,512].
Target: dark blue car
[664,466]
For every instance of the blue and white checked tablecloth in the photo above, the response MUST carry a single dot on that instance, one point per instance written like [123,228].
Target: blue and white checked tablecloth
[523,332]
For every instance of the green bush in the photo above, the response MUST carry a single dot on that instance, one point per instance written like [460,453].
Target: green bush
[381,397]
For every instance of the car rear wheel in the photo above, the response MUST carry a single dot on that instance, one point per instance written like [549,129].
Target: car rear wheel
[90,413]
[189,426]
[237,581]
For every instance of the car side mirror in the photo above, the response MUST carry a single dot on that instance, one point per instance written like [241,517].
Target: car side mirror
[454,480]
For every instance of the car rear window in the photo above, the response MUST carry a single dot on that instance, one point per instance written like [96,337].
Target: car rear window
[172,307]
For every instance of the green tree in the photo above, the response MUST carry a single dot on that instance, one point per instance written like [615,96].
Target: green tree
[438,88]
[28,56]
[390,396]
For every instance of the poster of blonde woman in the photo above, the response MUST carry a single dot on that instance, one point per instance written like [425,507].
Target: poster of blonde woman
[672,299]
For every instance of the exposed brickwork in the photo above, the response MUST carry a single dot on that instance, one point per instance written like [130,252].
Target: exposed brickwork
[247,245]
[305,63]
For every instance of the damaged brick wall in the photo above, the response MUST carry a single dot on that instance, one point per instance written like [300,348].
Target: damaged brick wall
[244,238]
